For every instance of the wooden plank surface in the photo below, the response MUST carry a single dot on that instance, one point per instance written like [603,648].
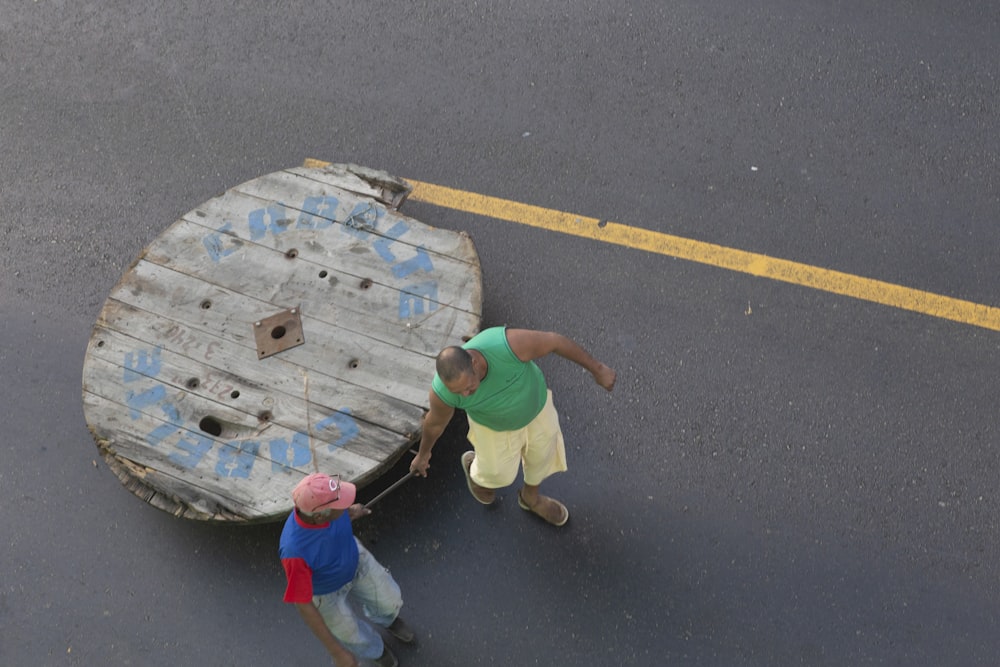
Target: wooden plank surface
[181,406]
[366,242]
[198,305]
[326,293]
[205,359]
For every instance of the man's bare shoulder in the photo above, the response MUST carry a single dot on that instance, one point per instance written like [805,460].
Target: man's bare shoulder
[529,344]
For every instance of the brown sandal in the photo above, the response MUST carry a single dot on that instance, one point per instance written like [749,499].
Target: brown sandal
[480,493]
[547,508]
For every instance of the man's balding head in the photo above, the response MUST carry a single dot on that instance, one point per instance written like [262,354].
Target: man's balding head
[453,362]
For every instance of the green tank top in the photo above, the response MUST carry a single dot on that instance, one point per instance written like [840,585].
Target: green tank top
[512,393]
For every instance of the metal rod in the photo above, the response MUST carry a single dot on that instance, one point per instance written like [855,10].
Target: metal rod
[389,490]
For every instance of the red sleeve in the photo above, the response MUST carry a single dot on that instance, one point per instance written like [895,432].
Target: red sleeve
[300,584]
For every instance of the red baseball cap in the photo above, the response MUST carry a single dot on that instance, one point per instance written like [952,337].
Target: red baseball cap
[318,492]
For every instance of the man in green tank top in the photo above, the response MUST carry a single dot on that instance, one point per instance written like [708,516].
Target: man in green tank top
[512,422]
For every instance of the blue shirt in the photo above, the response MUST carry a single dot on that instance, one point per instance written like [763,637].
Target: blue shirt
[317,559]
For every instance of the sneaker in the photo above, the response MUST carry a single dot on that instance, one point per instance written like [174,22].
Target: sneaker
[401,631]
[387,659]
[480,493]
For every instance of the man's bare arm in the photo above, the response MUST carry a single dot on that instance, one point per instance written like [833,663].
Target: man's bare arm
[341,656]
[528,345]
[435,421]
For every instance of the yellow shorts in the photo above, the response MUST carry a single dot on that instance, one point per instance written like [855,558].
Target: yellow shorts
[538,447]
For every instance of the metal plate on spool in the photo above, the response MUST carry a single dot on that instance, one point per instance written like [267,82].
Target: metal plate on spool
[277,333]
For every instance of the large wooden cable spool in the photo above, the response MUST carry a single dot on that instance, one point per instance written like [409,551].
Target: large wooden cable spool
[285,327]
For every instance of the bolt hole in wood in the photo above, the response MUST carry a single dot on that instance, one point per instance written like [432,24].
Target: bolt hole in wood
[218,428]
[265,416]
[206,304]
[235,394]
[323,274]
[353,363]
[192,383]
[366,283]
[211,425]
[292,253]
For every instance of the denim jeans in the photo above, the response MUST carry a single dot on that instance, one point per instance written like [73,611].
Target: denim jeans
[377,594]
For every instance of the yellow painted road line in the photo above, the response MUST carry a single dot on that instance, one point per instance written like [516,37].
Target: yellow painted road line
[755,264]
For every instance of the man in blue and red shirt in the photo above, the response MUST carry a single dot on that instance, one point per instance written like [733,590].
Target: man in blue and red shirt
[327,568]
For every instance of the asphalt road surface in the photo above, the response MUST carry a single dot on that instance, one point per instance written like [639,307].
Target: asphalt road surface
[783,476]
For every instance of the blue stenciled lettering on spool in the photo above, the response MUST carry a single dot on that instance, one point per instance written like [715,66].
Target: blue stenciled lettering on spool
[142,363]
[270,219]
[344,423]
[220,243]
[317,212]
[413,297]
[236,458]
[290,454]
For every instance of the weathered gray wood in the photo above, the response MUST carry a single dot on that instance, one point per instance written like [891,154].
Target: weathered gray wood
[292,188]
[359,180]
[186,405]
[185,412]
[202,356]
[161,434]
[177,495]
[367,362]
[263,493]
[327,293]
[392,250]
